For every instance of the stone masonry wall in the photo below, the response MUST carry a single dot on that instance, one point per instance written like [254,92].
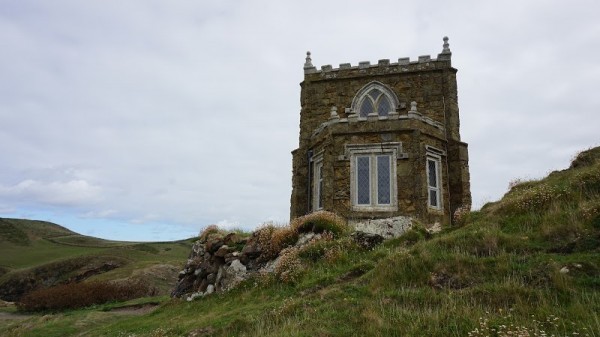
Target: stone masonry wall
[431,84]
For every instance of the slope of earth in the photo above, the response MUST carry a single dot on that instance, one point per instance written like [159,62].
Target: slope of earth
[35,254]
[527,265]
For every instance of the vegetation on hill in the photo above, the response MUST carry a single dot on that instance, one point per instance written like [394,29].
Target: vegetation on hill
[79,295]
[37,254]
[527,265]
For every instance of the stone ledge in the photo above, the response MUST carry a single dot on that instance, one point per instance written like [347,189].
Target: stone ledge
[388,228]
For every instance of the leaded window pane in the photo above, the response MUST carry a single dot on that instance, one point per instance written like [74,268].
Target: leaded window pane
[374,94]
[383,180]
[363,184]
[433,198]
[432,171]
[384,106]
[366,107]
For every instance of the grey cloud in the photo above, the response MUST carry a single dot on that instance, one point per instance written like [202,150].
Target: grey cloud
[185,113]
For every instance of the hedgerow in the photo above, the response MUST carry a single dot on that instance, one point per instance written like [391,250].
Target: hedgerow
[84,294]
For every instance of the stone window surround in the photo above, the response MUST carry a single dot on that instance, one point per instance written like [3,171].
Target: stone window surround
[434,154]
[391,148]
[364,91]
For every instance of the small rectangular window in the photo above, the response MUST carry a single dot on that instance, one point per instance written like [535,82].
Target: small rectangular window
[433,182]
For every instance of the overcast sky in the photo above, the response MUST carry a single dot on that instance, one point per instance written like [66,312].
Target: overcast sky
[148,119]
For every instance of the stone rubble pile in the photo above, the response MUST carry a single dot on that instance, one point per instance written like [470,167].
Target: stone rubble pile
[218,263]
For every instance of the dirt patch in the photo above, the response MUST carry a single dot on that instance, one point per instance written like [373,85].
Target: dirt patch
[141,309]
[6,316]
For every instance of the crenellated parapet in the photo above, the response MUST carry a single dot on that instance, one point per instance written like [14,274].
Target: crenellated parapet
[383,66]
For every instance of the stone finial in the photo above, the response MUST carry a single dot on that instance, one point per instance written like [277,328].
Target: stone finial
[308,66]
[413,113]
[333,114]
[308,63]
[413,106]
[446,46]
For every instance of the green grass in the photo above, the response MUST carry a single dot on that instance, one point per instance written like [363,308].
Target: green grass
[528,264]
[40,249]
[40,252]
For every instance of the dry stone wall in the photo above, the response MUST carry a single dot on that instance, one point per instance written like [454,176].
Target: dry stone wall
[219,263]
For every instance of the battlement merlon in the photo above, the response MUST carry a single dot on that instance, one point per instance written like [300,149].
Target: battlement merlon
[404,64]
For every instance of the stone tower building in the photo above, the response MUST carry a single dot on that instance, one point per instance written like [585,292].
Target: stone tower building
[381,140]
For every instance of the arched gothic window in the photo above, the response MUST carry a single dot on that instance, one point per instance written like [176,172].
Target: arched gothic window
[374,99]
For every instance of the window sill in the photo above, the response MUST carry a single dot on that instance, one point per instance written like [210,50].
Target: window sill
[374,208]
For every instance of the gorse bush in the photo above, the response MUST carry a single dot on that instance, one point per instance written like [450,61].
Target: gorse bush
[319,222]
[79,295]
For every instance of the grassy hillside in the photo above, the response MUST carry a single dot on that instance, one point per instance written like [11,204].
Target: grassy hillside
[36,254]
[527,265]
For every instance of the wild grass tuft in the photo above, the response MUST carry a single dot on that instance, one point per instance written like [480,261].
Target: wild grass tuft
[320,221]
[461,215]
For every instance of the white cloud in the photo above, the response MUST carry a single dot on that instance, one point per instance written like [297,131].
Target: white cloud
[185,112]
[70,193]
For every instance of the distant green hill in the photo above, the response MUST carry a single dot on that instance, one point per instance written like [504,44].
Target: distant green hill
[37,254]
[22,232]
[526,265]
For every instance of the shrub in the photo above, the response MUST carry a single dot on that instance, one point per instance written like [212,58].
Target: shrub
[535,197]
[289,267]
[319,222]
[514,183]
[263,236]
[589,210]
[317,248]
[411,236]
[209,232]
[461,215]
[79,295]
[588,181]
[586,158]
[282,237]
